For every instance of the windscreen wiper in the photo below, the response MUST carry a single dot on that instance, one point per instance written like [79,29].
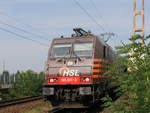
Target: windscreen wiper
[76,55]
[68,53]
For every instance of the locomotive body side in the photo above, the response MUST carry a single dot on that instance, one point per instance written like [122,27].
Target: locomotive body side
[74,70]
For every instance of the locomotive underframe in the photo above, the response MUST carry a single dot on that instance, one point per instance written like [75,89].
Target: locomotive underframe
[82,94]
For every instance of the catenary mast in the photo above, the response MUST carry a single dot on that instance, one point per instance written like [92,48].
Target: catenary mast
[139,13]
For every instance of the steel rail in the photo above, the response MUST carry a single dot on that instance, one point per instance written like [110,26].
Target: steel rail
[18,101]
[57,110]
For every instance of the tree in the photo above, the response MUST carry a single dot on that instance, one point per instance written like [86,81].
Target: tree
[5,77]
[135,83]
[28,83]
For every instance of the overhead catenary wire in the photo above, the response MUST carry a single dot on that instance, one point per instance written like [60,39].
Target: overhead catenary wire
[23,37]
[23,30]
[25,24]
[109,34]
[91,17]
[99,13]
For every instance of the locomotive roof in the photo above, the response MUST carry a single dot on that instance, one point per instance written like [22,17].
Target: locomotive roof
[72,39]
[81,39]
[77,37]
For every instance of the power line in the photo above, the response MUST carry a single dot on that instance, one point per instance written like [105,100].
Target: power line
[25,24]
[99,14]
[20,29]
[107,34]
[23,37]
[88,14]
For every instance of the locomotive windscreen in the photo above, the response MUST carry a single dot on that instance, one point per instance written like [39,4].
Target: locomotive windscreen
[61,50]
[72,49]
[83,49]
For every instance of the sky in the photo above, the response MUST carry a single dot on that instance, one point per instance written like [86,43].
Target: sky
[44,20]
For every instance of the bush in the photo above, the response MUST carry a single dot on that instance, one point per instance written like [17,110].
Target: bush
[135,83]
[28,83]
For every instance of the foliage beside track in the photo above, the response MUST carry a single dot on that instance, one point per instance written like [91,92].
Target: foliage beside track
[134,82]
[28,83]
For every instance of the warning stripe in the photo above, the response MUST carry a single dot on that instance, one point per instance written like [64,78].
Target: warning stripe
[100,76]
[102,66]
[101,60]
[96,76]
[98,65]
[97,71]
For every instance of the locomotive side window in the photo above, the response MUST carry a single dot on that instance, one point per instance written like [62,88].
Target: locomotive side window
[107,52]
[83,49]
[104,52]
[61,50]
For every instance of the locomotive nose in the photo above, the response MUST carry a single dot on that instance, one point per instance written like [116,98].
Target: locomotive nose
[69,66]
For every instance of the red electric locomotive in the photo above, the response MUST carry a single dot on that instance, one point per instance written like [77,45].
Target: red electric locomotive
[75,67]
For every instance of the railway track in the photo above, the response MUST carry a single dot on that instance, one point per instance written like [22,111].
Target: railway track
[57,110]
[71,110]
[19,101]
[95,108]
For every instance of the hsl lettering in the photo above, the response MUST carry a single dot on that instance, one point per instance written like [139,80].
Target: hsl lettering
[68,72]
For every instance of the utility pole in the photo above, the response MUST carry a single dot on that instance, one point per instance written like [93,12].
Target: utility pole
[4,79]
[3,65]
[140,30]
[139,13]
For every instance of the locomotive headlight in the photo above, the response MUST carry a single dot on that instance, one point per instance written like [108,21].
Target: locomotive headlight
[87,79]
[52,80]
[69,63]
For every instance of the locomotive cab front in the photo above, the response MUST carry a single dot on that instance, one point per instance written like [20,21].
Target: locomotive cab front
[70,75]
